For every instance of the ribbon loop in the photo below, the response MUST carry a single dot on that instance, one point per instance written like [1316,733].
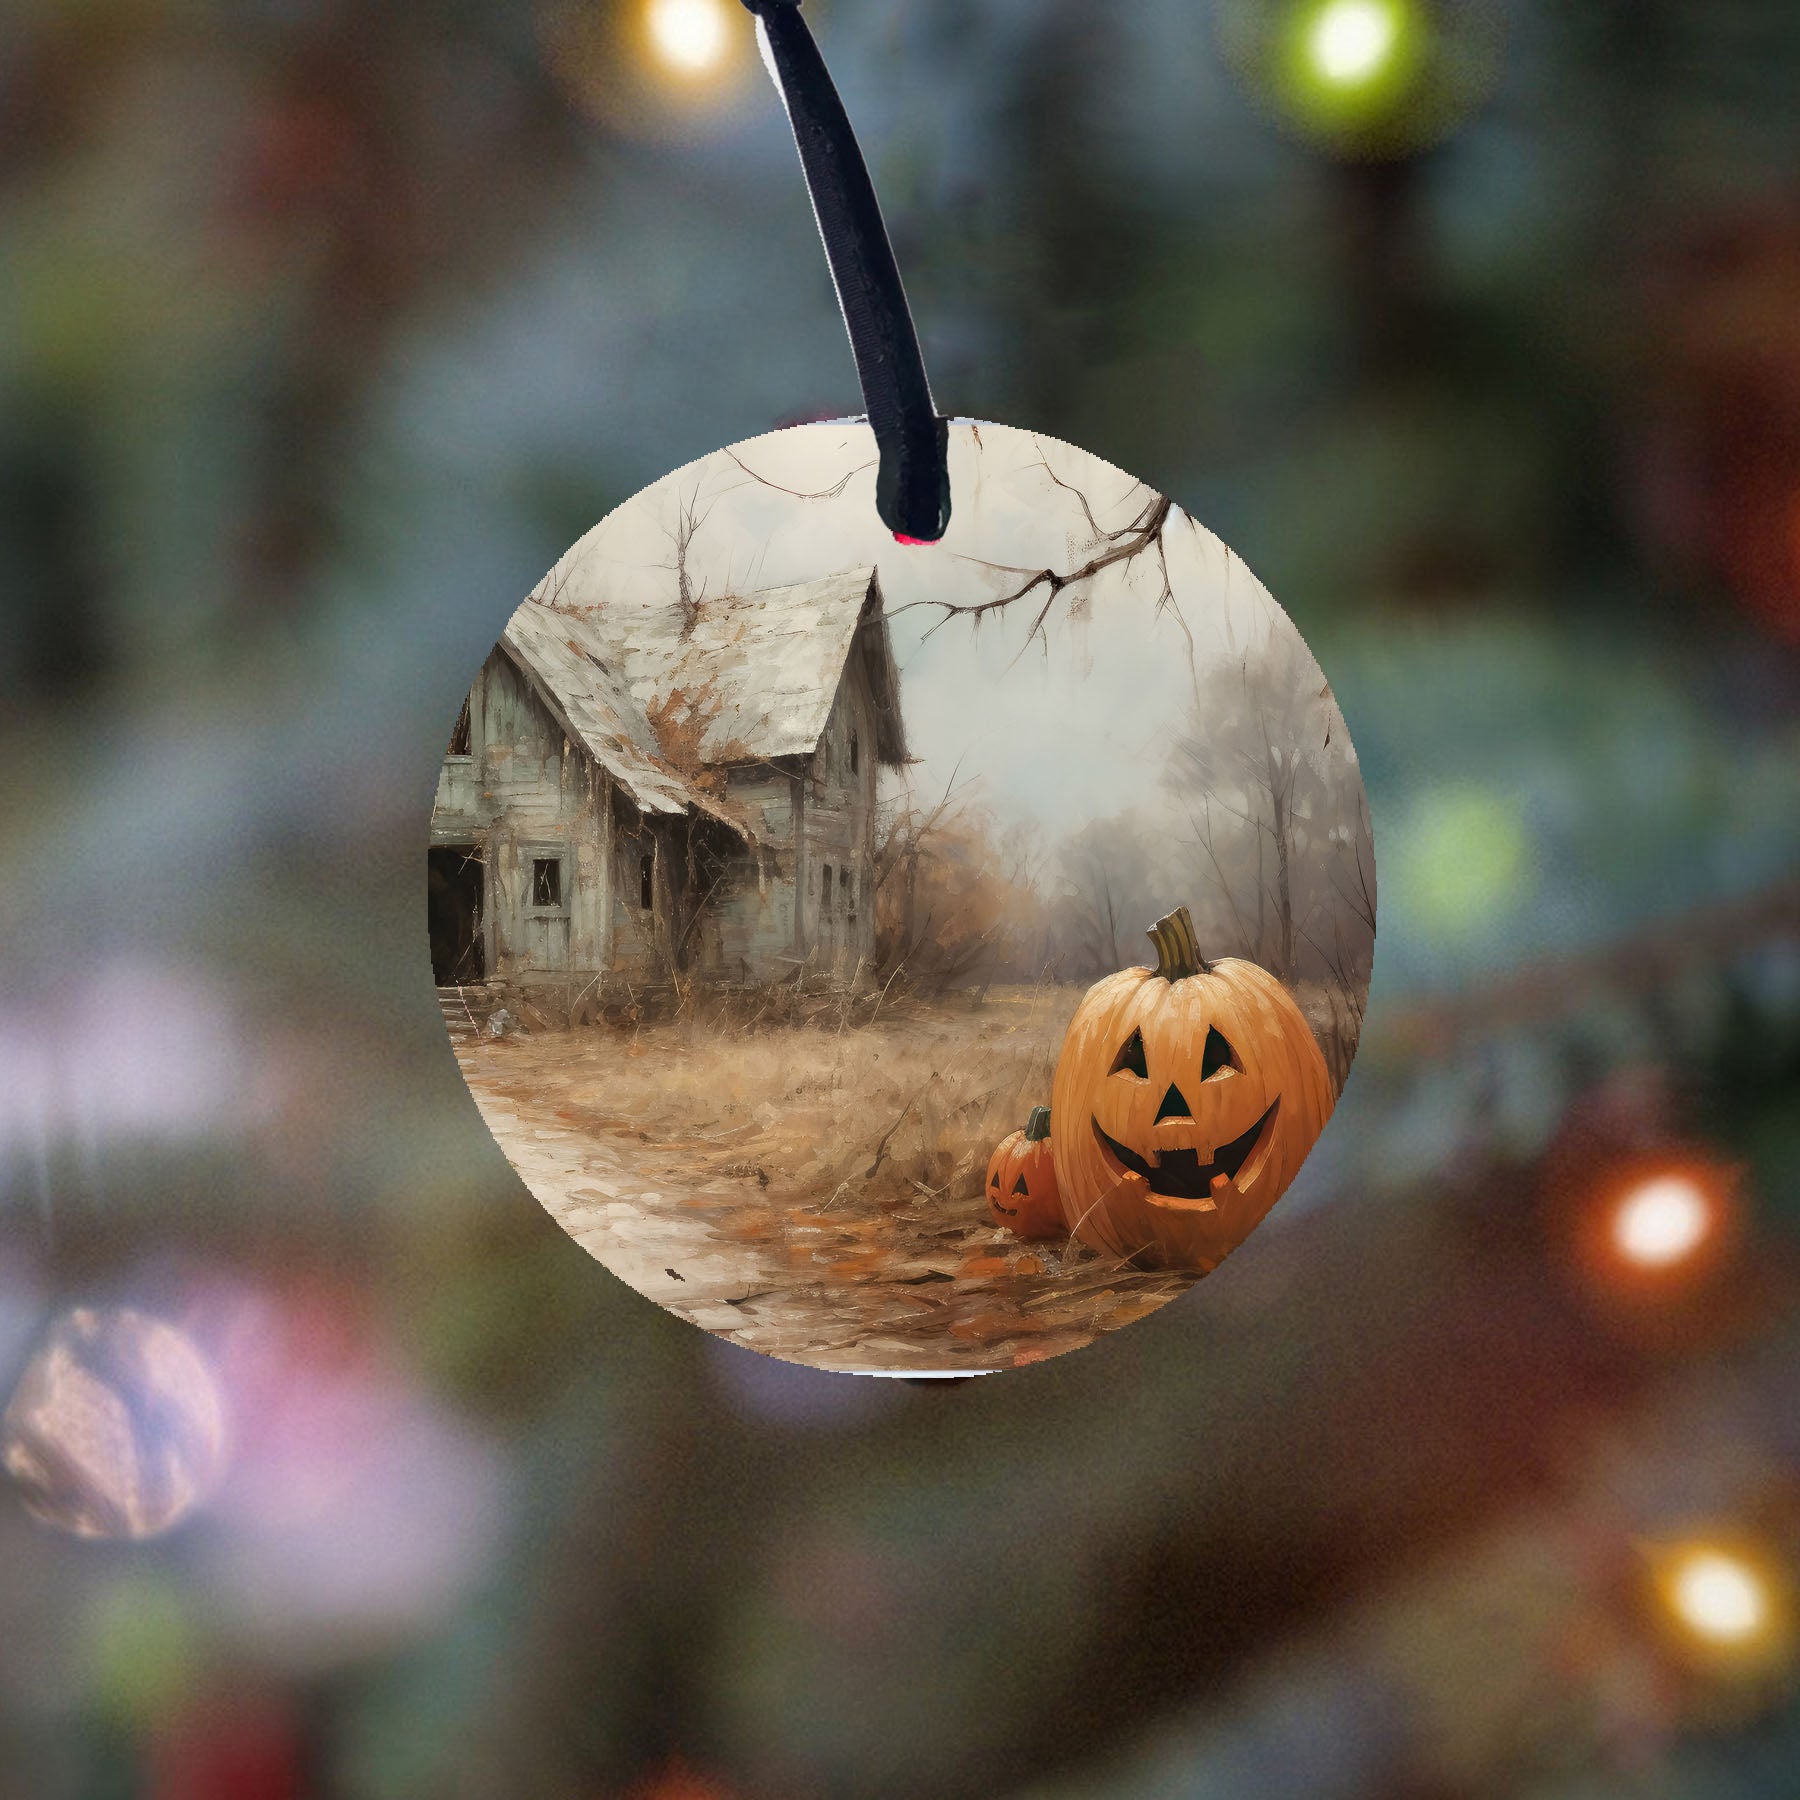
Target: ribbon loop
[912,488]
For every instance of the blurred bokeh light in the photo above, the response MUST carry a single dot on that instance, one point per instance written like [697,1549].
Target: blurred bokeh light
[356,1507]
[144,1648]
[1361,48]
[663,70]
[1367,78]
[134,1052]
[690,35]
[1726,1606]
[1654,1230]
[1662,1221]
[1474,326]
[1717,1597]
[117,1428]
[1460,862]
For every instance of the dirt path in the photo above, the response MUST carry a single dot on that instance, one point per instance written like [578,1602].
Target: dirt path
[697,1229]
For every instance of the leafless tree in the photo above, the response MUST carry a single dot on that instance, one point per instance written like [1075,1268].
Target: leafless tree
[1258,754]
[903,837]
[957,899]
[1348,956]
[689,517]
[1108,893]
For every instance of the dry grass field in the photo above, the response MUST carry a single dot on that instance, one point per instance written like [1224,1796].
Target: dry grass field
[813,1189]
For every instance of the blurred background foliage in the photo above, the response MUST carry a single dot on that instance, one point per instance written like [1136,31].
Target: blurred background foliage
[1475,328]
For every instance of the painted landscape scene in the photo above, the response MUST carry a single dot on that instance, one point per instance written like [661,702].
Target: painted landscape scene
[917,959]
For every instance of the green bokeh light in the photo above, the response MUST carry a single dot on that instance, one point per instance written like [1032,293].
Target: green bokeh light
[144,1649]
[1463,859]
[1352,64]
[1365,79]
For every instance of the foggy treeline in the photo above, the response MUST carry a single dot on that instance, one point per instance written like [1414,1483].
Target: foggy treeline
[1256,821]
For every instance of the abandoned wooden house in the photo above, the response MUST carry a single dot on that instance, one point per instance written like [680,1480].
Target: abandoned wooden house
[636,791]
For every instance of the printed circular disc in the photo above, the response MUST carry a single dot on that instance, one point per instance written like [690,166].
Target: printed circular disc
[783,875]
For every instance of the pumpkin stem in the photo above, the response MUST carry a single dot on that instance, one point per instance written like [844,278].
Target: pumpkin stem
[1037,1127]
[1177,951]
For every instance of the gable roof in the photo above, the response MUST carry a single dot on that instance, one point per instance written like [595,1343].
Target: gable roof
[749,677]
[757,673]
[585,690]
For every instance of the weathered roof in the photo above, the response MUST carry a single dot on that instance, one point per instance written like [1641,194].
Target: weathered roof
[757,673]
[584,687]
[740,678]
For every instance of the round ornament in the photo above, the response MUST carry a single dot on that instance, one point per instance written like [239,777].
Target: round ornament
[778,869]
[801,832]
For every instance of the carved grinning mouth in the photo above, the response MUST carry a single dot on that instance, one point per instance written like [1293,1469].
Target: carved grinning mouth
[1180,1174]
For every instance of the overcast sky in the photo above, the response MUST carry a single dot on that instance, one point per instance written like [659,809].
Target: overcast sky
[1057,732]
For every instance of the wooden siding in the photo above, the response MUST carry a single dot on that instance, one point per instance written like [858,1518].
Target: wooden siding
[638,952]
[526,792]
[839,828]
[461,813]
[748,931]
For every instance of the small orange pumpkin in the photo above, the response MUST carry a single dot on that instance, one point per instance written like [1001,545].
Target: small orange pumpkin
[1187,1097]
[1021,1181]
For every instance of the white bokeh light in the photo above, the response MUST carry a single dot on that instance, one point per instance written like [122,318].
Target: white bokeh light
[1350,40]
[1661,1222]
[689,35]
[1717,1597]
[116,1428]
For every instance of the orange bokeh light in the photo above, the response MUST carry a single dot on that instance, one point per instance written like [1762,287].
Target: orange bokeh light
[659,69]
[1656,1226]
[1663,1221]
[1723,1604]
[689,36]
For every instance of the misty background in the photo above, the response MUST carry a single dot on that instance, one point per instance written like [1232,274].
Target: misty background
[325,328]
[1085,758]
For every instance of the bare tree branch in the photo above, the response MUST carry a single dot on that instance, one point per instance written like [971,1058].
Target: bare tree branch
[830,493]
[1069,487]
[1143,533]
[1205,840]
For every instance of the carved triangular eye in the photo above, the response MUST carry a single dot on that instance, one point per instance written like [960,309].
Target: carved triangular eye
[994,1181]
[1131,1056]
[1218,1056]
[1019,1186]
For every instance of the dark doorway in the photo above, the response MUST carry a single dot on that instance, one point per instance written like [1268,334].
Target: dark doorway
[453,907]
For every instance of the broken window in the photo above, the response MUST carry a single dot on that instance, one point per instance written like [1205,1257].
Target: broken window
[844,891]
[546,881]
[855,754]
[850,896]
[459,737]
[825,891]
[647,881]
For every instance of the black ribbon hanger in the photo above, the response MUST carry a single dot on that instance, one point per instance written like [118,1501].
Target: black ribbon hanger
[912,487]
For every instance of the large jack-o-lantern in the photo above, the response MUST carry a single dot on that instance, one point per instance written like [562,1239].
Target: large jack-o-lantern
[1186,1098]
